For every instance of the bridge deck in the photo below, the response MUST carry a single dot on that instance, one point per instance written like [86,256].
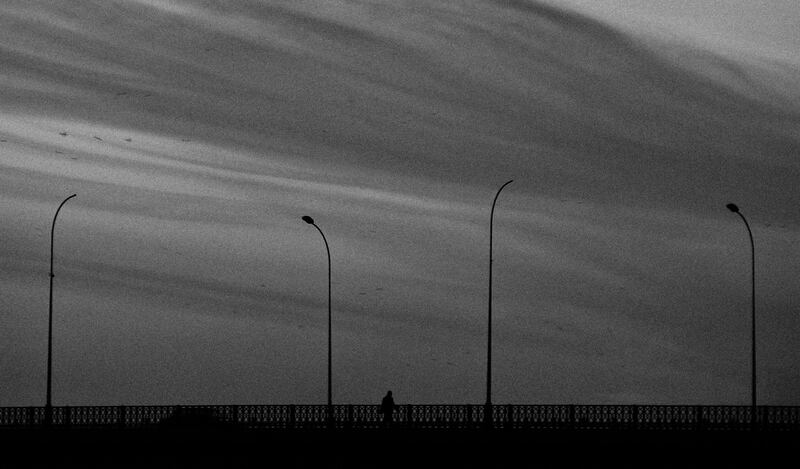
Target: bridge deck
[193,446]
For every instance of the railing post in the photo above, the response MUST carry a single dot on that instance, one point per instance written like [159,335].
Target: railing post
[121,416]
[292,416]
[766,421]
[635,417]
[349,423]
[509,416]
[469,416]
[698,417]
[67,416]
[30,416]
[759,417]
[409,416]
[571,413]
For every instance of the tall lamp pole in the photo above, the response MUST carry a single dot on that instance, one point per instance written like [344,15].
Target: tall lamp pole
[733,208]
[488,410]
[48,408]
[310,221]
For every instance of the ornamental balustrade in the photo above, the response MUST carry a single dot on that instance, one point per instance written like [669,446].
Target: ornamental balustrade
[412,416]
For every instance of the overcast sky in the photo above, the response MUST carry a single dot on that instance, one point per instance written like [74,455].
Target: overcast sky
[765,29]
[197,133]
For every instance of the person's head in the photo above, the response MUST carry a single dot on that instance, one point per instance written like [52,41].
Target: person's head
[388,393]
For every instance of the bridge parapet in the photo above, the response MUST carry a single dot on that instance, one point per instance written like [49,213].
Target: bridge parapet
[414,416]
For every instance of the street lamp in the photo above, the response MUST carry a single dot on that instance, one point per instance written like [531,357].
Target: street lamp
[488,409]
[48,408]
[733,208]
[310,221]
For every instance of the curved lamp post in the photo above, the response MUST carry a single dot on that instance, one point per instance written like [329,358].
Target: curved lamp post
[310,221]
[733,208]
[48,409]
[488,410]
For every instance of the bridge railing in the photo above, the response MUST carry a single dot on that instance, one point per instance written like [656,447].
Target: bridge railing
[436,416]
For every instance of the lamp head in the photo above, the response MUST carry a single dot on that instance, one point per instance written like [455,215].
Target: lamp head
[308,219]
[733,208]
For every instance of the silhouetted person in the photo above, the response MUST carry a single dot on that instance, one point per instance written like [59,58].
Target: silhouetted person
[387,408]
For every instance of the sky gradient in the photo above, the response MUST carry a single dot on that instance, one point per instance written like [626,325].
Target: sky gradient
[197,133]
